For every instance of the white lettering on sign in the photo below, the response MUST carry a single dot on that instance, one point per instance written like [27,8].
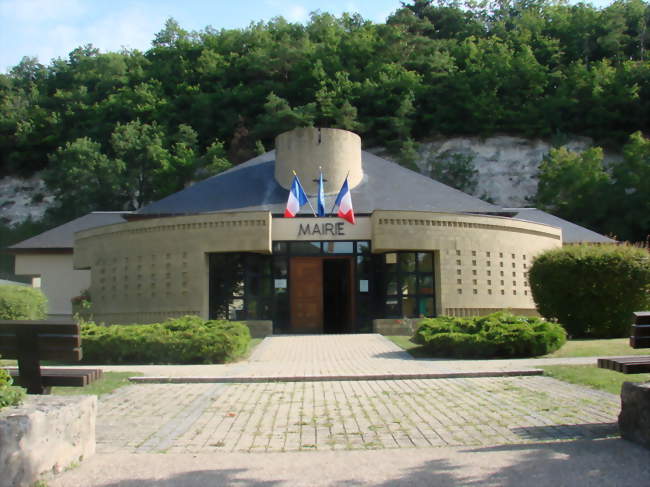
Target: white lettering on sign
[321,229]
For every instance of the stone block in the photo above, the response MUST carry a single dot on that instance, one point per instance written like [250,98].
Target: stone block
[45,434]
[260,328]
[634,419]
[395,326]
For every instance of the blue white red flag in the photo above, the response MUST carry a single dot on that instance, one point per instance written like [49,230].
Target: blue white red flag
[321,197]
[297,198]
[344,202]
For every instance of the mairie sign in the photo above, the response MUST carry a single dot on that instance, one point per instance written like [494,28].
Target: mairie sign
[321,229]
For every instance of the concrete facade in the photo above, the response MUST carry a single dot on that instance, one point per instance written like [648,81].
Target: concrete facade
[149,270]
[481,261]
[52,270]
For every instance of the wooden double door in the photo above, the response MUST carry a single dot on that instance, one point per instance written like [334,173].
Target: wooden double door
[321,294]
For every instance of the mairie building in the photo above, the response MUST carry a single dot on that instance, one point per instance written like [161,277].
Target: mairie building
[223,249]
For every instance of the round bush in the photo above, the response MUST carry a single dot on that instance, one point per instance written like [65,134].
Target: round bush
[22,303]
[501,334]
[592,289]
[185,340]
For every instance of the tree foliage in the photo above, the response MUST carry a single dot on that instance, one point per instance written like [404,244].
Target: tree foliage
[608,197]
[433,68]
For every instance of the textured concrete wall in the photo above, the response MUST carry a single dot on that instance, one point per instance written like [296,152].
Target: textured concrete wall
[482,262]
[53,270]
[45,434]
[304,150]
[150,270]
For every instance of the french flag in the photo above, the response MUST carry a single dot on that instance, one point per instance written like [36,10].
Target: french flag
[297,198]
[344,202]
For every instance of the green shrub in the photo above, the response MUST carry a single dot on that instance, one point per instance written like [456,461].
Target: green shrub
[22,303]
[501,334]
[9,395]
[185,340]
[592,289]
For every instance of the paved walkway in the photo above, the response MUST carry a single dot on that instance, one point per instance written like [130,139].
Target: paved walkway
[326,415]
[338,356]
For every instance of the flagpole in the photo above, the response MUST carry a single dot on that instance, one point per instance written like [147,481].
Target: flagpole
[312,208]
[334,205]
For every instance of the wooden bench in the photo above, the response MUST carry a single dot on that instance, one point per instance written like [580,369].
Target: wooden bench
[32,341]
[639,338]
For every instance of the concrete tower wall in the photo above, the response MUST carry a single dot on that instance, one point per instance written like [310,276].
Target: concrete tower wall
[304,150]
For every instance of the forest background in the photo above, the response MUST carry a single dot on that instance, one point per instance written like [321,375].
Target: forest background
[117,130]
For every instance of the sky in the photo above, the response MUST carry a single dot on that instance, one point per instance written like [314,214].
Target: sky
[48,29]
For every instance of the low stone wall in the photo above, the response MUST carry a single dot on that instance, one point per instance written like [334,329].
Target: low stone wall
[634,420]
[260,328]
[396,326]
[45,434]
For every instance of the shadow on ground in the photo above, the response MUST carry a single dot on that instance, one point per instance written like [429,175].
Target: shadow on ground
[594,463]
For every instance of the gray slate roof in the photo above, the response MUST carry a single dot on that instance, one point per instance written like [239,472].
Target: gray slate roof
[62,237]
[571,233]
[251,186]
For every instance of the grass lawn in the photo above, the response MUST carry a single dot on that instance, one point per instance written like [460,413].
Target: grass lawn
[108,383]
[612,347]
[402,341]
[592,376]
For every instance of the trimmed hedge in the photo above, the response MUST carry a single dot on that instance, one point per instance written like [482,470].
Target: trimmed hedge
[500,334]
[592,289]
[22,303]
[186,340]
[9,395]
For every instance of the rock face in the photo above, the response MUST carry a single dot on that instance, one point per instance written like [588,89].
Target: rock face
[507,166]
[45,434]
[634,420]
[21,199]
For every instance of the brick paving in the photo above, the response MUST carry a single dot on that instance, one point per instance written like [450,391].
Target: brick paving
[333,415]
[329,414]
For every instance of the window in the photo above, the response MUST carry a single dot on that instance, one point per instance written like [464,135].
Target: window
[405,284]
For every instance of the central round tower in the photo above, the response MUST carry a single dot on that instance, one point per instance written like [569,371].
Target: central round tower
[308,150]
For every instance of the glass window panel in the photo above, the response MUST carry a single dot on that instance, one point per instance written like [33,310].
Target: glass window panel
[425,262]
[391,284]
[392,307]
[426,283]
[425,307]
[236,310]
[305,248]
[363,247]
[259,286]
[363,306]
[409,285]
[363,265]
[258,264]
[280,267]
[279,247]
[390,262]
[407,261]
[409,307]
[363,285]
[280,286]
[332,247]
